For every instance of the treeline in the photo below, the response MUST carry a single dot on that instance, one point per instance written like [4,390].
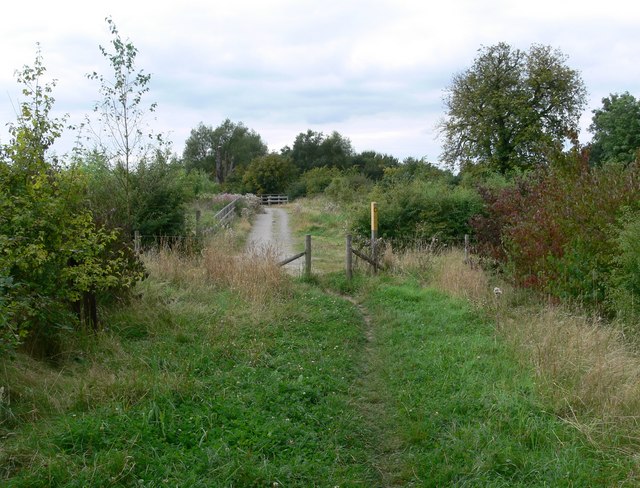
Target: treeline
[237,158]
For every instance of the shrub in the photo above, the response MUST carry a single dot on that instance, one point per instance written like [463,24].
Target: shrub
[272,173]
[348,188]
[55,259]
[422,210]
[317,180]
[553,229]
[624,280]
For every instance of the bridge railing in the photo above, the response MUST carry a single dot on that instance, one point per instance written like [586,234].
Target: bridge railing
[274,199]
[227,212]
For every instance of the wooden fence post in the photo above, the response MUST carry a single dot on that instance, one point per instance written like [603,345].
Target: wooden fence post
[374,235]
[307,255]
[349,261]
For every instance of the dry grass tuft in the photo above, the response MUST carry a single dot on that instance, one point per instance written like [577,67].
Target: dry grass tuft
[174,266]
[452,275]
[414,261]
[253,275]
[586,369]
[585,366]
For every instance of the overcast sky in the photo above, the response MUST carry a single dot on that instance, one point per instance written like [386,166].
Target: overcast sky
[373,70]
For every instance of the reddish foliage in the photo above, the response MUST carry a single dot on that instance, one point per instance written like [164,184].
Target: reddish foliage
[553,228]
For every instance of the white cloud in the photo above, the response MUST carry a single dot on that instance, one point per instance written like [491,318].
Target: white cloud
[374,70]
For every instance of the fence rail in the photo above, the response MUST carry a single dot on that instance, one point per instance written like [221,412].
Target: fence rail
[273,199]
[307,256]
[227,212]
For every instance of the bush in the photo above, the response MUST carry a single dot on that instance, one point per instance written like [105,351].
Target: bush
[349,187]
[269,174]
[624,280]
[162,191]
[553,229]
[422,210]
[317,180]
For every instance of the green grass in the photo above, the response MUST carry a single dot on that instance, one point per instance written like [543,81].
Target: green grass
[462,411]
[192,385]
[228,399]
[328,228]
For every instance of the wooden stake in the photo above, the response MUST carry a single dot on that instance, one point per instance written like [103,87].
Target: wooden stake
[349,260]
[307,252]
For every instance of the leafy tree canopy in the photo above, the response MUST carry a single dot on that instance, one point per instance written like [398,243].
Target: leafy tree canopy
[616,130]
[313,150]
[220,152]
[373,164]
[512,109]
[269,174]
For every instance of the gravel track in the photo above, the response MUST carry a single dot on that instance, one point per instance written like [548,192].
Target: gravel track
[271,234]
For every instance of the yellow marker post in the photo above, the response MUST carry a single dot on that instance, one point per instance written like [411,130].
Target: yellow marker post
[374,234]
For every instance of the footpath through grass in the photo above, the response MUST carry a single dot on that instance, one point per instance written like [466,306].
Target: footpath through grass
[458,409]
[226,372]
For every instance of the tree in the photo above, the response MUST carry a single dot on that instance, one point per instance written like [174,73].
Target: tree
[314,150]
[373,164]
[512,109]
[269,174]
[616,130]
[223,152]
[120,131]
[163,192]
[53,258]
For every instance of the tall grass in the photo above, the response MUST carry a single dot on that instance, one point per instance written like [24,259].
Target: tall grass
[586,369]
[253,275]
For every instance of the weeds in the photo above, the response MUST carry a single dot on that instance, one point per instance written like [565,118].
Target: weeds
[253,275]
[586,370]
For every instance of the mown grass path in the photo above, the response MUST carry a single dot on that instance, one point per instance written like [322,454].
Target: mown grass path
[461,410]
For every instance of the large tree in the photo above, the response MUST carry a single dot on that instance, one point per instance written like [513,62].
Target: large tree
[313,150]
[512,109]
[222,152]
[616,130]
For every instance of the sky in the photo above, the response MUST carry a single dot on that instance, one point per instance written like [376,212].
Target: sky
[376,71]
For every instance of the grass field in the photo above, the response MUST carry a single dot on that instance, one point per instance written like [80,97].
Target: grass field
[225,371]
